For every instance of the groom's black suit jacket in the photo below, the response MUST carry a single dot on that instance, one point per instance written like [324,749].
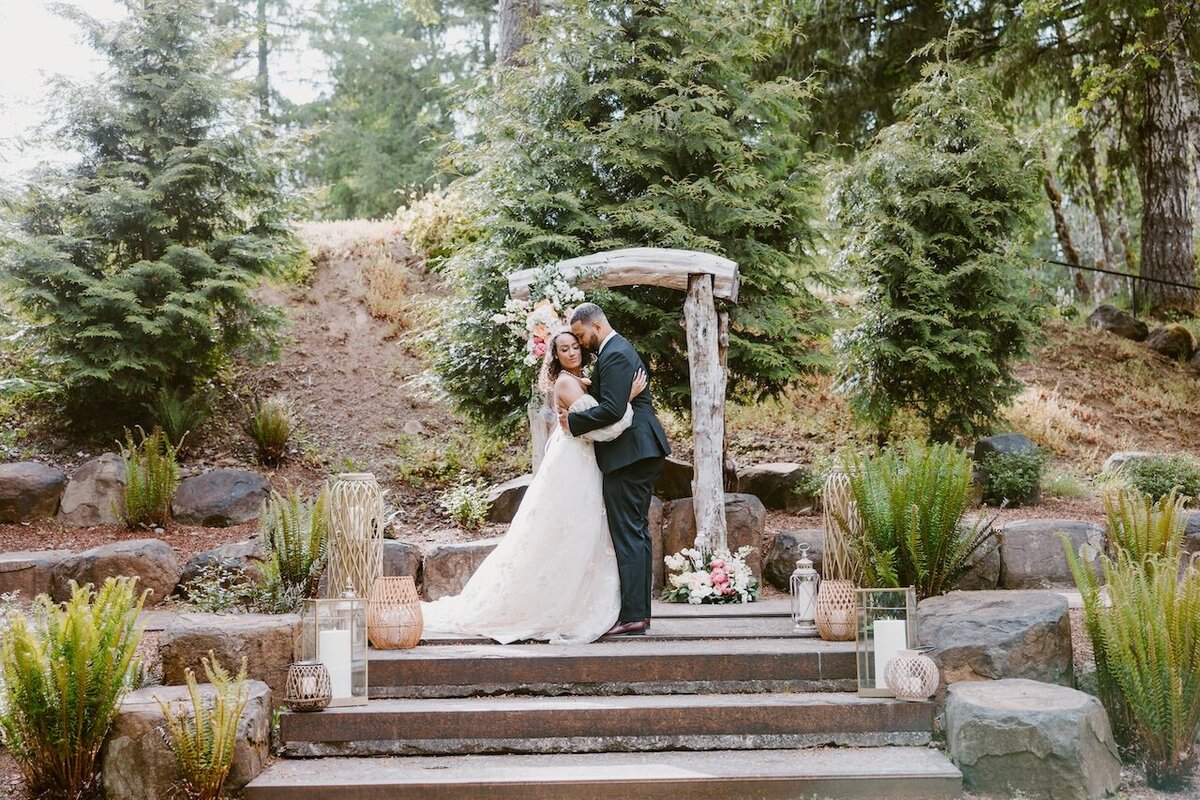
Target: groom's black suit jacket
[611,381]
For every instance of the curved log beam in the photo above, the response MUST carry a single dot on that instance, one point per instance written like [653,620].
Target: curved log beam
[639,266]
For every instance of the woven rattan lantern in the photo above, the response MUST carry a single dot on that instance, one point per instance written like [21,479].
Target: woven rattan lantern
[394,618]
[912,675]
[308,686]
[355,533]
[836,598]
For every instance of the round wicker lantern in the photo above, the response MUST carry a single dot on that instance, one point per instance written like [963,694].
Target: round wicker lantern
[837,611]
[308,686]
[394,620]
[911,675]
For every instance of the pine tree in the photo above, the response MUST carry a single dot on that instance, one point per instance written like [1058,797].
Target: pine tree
[932,212]
[136,264]
[643,124]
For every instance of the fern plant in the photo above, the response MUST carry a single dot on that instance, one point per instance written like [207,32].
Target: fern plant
[179,414]
[204,739]
[912,499]
[269,424]
[295,533]
[1142,526]
[65,669]
[151,478]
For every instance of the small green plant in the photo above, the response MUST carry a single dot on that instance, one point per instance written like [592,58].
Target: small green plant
[151,477]
[1013,478]
[1064,486]
[270,425]
[1142,526]
[204,739]
[912,498]
[296,533]
[466,504]
[218,588]
[179,415]
[65,668]
[1158,475]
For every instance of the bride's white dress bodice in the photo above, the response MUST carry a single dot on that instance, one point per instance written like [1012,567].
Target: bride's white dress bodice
[554,574]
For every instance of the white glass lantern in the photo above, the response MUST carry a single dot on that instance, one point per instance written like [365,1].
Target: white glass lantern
[355,532]
[804,595]
[334,632]
[887,625]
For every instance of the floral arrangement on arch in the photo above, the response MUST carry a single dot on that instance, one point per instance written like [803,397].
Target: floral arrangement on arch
[537,318]
[717,577]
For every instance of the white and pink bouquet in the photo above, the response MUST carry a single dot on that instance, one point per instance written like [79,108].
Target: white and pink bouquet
[717,577]
[535,321]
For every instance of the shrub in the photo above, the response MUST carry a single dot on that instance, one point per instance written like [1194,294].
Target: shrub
[1147,645]
[269,423]
[1013,478]
[204,739]
[466,504]
[151,477]
[179,415]
[933,213]
[388,292]
[219,588]
[1157,476]
[1064,486]
[296,534]
[136,263]
[438,223]
[1142,526]
[912,499]
[65,668]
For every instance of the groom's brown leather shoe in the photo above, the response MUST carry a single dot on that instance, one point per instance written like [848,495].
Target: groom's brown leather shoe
[636,628]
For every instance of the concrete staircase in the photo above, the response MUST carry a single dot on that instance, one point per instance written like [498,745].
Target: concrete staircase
[718,703]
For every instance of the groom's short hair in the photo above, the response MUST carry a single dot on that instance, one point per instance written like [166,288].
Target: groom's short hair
[588,313]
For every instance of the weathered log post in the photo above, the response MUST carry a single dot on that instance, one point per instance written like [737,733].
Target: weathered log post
[708,413]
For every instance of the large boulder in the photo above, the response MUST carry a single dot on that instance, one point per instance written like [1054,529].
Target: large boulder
[780,560]
[745,521]
[984,570]
[138,762]
[1112,319]
[1122,457]
[990,635]
[675,481]
[401,558]
[777,485]
[29,491]
[1033,555]
[1173,341]
[266,641]
[505,499]
[999,445]
[1038,740]
[151,561]
[244,559]
[446,568]
[95,494]
[28,572]
[220,498]
[1194,362]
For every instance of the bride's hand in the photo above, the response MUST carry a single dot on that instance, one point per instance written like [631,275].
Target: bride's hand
[586,382]
[639,384]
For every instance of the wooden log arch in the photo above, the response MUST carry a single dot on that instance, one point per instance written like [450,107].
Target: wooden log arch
[703,277]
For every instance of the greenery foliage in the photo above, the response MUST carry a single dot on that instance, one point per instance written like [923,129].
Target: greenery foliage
[912,498]
[269,424]
[932,213]
[1012,478]
[151,477]
[204,738]
[643,124]
[296,534]
[1159,475]
[1142,526]
[179,415]
[437,224]
[136,264]
[65,669]
[466,504]
[219,588]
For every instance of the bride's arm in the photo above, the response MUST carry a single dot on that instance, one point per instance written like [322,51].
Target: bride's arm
[610,432]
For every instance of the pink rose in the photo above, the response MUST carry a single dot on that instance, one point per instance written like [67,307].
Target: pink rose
[539,349]
[718,563]
[719,576]
[726,589]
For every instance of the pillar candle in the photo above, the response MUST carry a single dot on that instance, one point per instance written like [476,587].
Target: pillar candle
[333,650]
[891,636]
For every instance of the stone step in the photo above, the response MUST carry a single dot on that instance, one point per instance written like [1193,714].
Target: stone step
[641,665]
[477,725]
[895,773]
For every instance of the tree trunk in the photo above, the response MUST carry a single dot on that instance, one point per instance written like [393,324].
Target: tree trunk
[1185,76]
[1168,251]
[515,16]
[262,83]
[1062,230]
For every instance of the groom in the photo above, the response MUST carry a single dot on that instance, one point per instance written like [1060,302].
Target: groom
[631,463]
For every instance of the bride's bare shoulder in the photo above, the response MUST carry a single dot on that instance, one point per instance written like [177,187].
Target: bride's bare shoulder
[567,389]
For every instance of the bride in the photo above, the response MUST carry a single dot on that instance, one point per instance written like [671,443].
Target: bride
[554,575]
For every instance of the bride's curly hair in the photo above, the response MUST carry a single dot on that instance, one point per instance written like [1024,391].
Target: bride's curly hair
[550,366]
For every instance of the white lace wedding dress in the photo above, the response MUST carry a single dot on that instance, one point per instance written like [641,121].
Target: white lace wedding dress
[553,577]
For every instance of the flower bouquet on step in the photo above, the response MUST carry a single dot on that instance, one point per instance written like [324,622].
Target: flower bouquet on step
[717,577]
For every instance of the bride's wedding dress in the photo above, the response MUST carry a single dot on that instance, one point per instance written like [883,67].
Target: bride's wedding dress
[553,576]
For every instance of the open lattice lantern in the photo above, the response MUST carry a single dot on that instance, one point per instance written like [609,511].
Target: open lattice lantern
[355,533]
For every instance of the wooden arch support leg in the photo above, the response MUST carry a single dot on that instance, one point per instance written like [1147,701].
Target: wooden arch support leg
[708,412]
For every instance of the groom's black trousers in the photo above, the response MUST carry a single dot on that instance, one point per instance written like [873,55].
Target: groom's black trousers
[627,500]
